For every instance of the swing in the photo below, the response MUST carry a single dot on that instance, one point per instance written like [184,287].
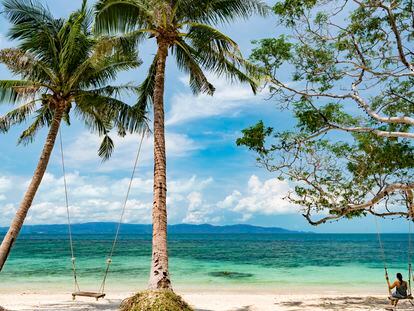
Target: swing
[101,292]
[409,297]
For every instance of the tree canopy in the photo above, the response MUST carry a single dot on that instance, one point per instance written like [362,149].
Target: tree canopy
[351,92]
[62,61]
[187,26]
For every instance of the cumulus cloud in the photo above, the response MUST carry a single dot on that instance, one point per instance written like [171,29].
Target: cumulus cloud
[198,211]
[82,152]
[228,99]
[260,197]
[5,184]
[257,198]
[100,198]
[96,198]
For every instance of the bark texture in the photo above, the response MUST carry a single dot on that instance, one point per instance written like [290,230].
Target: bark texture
[26,203]
[159,277]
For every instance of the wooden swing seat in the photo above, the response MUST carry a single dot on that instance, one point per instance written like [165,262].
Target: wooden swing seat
[409,297]
[394,301]
[97,296]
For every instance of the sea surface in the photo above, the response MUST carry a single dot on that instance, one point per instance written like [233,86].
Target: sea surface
[237,262]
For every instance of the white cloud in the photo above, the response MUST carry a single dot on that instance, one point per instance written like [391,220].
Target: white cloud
[195,200]
[267,198]
[180,186]
[197,211]
[228,99]
[5,183]
[98,198]
[82,152]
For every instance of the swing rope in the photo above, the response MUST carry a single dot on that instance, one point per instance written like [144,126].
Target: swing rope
[116,238]
[410,219]
[382,254]
[409,255]
[73,259]
[111,253]
[410,274]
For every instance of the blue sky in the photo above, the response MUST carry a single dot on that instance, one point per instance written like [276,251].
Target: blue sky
[210,179]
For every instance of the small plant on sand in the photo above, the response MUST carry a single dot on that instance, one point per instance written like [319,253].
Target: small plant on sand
[160,300]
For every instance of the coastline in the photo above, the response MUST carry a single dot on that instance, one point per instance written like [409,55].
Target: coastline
[206,301]
[211,273]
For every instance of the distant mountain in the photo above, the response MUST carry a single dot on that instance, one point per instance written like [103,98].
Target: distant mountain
[110,227]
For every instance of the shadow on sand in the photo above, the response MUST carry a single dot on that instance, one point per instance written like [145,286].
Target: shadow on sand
[109,305]
[343,303]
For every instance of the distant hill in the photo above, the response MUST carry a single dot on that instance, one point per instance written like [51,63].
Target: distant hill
[110,227]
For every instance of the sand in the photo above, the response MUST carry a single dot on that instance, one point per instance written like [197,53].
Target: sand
[208,301]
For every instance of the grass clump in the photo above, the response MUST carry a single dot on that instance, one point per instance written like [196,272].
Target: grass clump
[155,300]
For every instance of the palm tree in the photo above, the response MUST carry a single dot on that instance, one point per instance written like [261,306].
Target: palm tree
[63,68]
[184,28]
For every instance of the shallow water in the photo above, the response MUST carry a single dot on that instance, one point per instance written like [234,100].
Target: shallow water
[329,261]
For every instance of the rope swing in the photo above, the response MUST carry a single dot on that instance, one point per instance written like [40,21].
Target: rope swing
[382,251]
[101,292]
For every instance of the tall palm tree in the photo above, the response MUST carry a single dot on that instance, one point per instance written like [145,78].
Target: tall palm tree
[184,28]
[63,68]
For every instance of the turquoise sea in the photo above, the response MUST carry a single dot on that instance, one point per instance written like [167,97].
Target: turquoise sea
[234,262]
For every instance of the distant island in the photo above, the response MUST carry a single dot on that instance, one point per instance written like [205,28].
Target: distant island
[110,227]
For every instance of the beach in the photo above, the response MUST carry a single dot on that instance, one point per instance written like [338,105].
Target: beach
[207,301]
[212,272]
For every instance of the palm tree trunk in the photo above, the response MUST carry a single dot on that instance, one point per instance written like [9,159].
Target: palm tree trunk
[159,277]
[21,213]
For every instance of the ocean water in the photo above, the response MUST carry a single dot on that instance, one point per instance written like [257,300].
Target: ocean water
[234,262]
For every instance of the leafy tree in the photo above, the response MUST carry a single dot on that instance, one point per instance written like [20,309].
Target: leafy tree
[63,69]
[351,92]
[184,28]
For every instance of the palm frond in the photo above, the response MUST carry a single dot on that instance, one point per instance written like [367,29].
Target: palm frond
[95,72]
[114,16]
[76,43]
[16,116]
[15,91]
[126,43]
[114,91]
[114,113]
[24,64]
[146,88]
[43,118]
[231,66]
[93,118]
[219,11]
[217,40]
[34,27]
[186,58]
[106,148]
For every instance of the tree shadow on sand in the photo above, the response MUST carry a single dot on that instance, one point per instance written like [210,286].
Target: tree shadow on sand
[109,305]
[246,308]
[344,303]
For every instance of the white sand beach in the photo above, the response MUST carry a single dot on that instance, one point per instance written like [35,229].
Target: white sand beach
[208,301]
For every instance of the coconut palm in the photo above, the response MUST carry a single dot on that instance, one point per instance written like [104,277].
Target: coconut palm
[63,68]
[186,29]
